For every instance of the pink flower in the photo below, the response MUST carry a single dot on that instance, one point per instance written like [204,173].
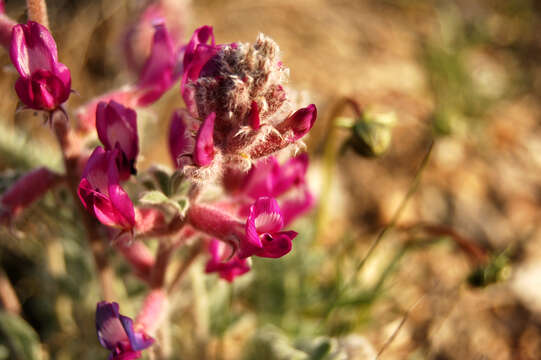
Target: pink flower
[44,83]
[285,182]
[161,70]
[138,37]
[117,129]
[101,193]
[116,333]
[222,261]
[27,189]
[263,227]
[159,73]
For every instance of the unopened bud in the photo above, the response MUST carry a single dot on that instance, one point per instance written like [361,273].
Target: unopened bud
[372,134]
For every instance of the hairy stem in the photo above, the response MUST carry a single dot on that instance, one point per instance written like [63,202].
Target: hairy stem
[185,265]
[71,154]
[37,11]
[8,297]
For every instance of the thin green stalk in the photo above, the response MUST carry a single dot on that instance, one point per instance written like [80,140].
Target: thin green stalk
[396,216]
[334,123]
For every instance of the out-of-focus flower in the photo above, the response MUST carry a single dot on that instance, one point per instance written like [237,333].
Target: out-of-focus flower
[6,27]
[161,69]
[101,193]
[116,333]
[242,85]
[285,182]
[264,237]
[224,262]
[27,189]
[159,73]
[44,83]
[117,129]
[137,40]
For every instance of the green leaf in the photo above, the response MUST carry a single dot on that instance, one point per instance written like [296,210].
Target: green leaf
[22,338]
[153,197]
[157,198]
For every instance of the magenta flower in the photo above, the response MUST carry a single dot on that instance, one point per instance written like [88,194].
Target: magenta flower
[137,40]
[101,193]
[117,129]
[285,182]
[161,70]
[222,261]
[44,83]
[159,73]
[263,227]
[116,333]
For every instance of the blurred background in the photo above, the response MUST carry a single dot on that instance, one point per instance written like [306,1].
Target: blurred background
[457,273]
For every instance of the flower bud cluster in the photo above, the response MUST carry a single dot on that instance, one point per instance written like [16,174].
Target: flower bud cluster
[238,109]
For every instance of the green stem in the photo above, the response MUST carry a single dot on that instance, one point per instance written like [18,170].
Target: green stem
[330,152]
[396,216]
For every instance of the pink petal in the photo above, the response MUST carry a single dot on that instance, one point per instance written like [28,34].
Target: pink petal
[277,244]
[255,121]
[300,122]
[180,139]
[117,126]
[204,142]
[266,215]
[32,48]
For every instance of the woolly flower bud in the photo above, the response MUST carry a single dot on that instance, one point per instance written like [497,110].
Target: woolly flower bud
[239,86]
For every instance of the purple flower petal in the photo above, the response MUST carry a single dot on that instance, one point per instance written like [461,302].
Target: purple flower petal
[116,333]
[204,142]
[181,141]
[138,340]
[117,128]
[158,73]
[108,325]
[100,192]
[32,48]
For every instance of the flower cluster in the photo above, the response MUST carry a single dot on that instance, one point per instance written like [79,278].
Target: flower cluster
[238,109]
[238,120]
